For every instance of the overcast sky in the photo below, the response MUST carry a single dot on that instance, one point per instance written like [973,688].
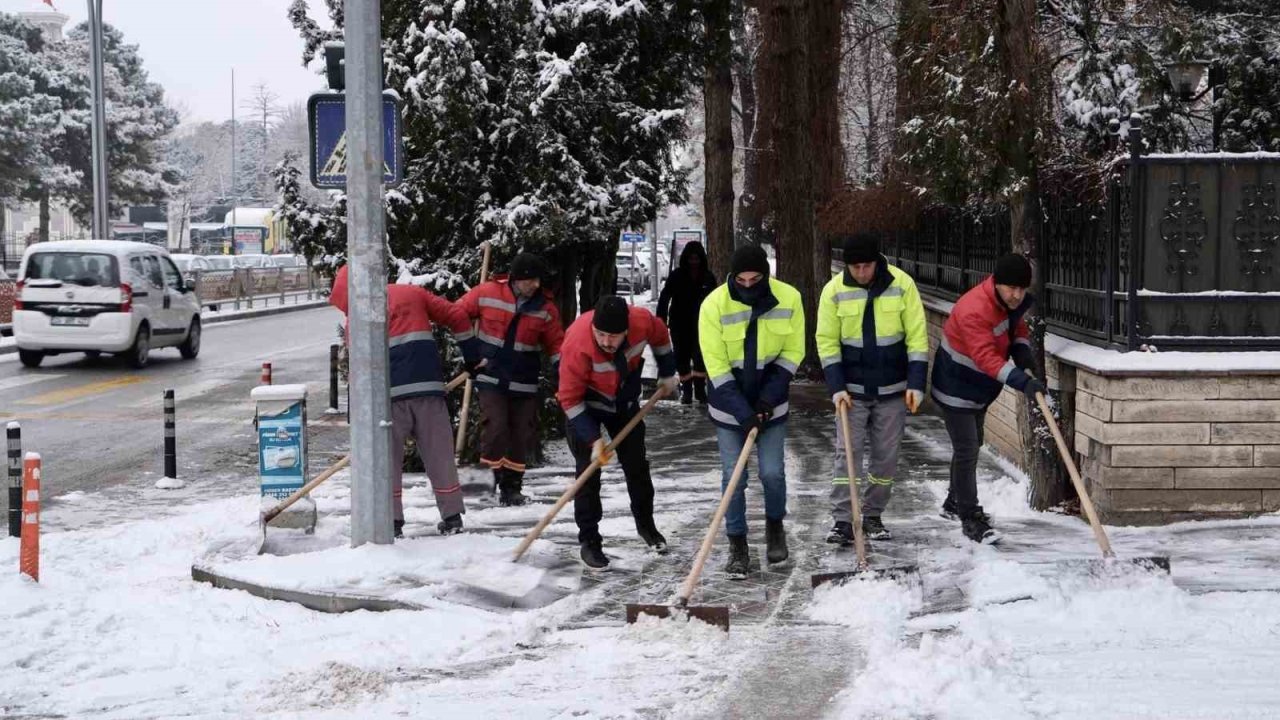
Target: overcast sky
[190,47]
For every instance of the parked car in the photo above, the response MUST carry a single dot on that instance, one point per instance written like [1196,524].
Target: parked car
[96,296]
[288,261]
[631,276]
[251,261]
[190,263]
[219,262]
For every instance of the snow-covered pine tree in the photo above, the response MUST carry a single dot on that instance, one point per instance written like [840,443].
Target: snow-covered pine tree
[28,113]
[545,126]
[138,121]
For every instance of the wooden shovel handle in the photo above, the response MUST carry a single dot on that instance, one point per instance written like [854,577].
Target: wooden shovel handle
[465,414]
[1085,501]
[859,540]
[454,383]
[686,589]
[582,477]
[271,514]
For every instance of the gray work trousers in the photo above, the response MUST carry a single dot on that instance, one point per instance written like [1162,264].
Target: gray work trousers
[877,423]
[426,419]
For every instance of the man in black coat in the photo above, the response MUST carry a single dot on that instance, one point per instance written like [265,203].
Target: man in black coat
[678,305]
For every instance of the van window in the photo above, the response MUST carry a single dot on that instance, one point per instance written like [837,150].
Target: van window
[153,270]
[85,269]
[172,277]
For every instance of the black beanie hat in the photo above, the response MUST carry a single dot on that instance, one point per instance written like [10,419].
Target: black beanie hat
[861,248]
[749,258]
[1013,269]
[527,266]
[611,315]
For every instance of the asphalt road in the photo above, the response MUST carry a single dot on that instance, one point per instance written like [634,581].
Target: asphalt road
[99,424]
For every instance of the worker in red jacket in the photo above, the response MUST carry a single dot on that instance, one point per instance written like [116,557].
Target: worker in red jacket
[985,346]
[600,386]
[519,323]
[418,408]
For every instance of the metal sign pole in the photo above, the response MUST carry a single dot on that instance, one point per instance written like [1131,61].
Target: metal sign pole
[101,221]
[371,508]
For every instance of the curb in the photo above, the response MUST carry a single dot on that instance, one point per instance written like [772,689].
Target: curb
[239,315]
[320,601]
[264,312]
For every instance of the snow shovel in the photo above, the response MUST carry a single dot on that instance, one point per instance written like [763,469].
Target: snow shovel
[717,615]
[466,393]
[863,568]
[265,518]
[582,478]
[1154,562]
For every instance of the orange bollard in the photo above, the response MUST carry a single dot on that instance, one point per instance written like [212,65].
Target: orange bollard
[266,373]
[29,550]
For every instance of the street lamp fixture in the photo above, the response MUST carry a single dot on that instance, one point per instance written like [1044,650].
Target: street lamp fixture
[1186,76]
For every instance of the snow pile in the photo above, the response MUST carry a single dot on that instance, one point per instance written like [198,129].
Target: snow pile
[1121,645]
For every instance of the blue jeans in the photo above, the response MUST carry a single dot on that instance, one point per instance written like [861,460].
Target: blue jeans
[770,446]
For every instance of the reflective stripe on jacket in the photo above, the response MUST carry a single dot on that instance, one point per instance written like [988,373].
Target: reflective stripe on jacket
[773,332]
[973,361]
[878,354]
[592,390]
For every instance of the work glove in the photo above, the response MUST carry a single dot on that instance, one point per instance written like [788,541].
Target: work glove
[842,399]
[1032,388]
[601,454]
[670,383]
[752,422]
[473,367]
[913,398]
[764,410]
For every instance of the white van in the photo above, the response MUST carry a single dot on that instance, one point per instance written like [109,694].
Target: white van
[96,296]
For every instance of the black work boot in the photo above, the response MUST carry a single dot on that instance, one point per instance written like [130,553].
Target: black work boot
[499,475]
[451,525]
[509,494]
[977,527]
[739,565]
[775,541]
[686,392]
[654,539]
[873,528]
[700,390]
[593,556]
[841,533]
[398,526]
[949,509]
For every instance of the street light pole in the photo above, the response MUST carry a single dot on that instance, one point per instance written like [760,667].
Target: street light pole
[371,518]
[101,221]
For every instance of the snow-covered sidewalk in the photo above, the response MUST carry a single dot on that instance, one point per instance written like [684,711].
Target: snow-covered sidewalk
[117,628]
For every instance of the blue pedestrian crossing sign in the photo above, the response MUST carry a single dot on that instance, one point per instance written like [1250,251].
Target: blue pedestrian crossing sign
[630,238]
[327,119]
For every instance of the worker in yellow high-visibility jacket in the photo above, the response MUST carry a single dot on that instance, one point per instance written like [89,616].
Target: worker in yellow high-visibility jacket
[751,330]
[873,340]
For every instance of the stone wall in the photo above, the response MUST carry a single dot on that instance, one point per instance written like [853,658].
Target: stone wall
[1158,445]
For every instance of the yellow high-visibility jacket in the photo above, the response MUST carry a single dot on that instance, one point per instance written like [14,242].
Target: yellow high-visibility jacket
[751,352]
[876,354]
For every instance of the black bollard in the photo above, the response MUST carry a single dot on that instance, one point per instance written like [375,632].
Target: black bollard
[333,378]
[170,437]
[14,435]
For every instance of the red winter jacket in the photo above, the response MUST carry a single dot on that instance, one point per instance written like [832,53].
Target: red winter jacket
[591,388]
[513,339]
[984,347]
[415,360]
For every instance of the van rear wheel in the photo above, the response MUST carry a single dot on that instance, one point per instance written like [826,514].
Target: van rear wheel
[139,354]
[30,358]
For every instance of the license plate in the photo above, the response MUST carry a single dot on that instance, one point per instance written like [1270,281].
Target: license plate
[73,321]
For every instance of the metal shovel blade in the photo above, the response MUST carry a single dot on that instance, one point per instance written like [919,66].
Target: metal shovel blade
[1151,563]
[893,572]
[717,615]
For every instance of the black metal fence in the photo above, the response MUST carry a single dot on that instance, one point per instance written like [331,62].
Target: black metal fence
[1204,254]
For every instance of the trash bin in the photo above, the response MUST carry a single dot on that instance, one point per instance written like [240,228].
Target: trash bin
[281,412]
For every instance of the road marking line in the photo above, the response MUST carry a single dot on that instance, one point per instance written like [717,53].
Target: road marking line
[60,396]
[15,382]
